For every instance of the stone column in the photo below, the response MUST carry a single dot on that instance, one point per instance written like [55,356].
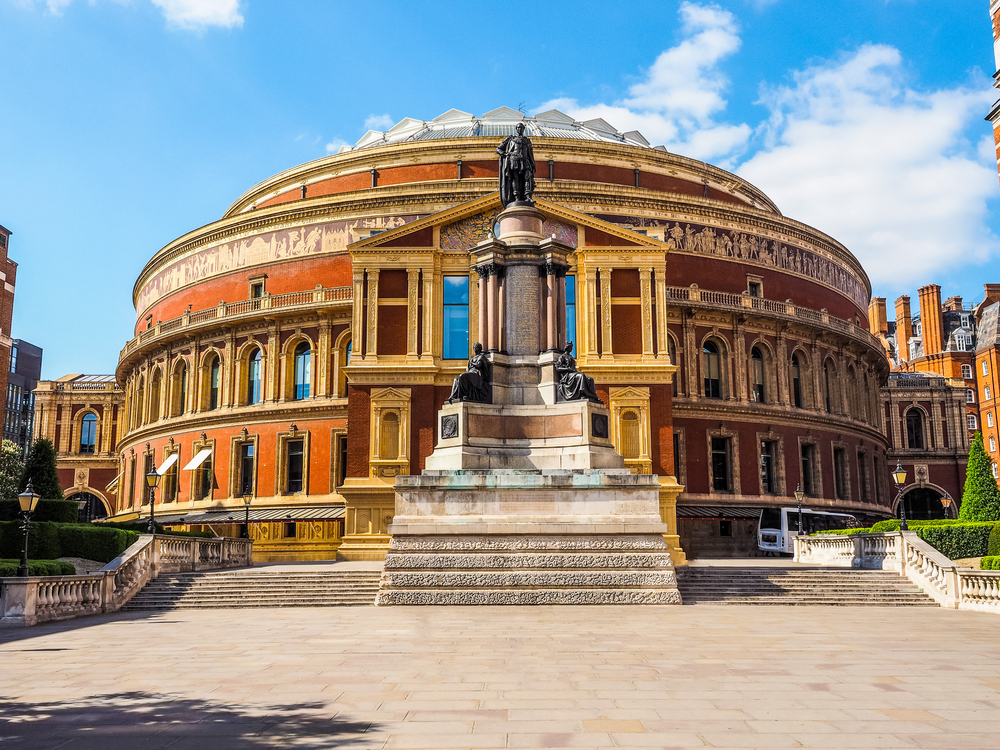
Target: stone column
[372,313]
[691,353]
[662,337]
[606,312]
[428,329]
[274,363]
[646,292]
[590,310]
[413,279]
[551,314]
[323,360]
[358,313]
[739,365]
[229,392]
[781,365]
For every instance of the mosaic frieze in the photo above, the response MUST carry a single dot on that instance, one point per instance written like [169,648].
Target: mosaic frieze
[470,231]
[750,248]
[317,239]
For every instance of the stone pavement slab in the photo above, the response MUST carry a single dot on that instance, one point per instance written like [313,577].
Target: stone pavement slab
[494,677]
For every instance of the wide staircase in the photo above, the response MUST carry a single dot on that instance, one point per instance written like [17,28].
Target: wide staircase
[258,588]
[771,585]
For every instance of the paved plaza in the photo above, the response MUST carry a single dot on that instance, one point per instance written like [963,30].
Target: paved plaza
[492,677]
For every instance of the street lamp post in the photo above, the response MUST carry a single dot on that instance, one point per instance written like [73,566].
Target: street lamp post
[29,501]
[152,479]
[799,494]
[946,502]
[247,497]
[899,477]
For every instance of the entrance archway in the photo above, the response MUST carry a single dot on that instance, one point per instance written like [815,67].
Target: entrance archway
[924,504]
[93,509]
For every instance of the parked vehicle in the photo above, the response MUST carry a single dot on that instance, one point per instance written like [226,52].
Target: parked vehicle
[778,526]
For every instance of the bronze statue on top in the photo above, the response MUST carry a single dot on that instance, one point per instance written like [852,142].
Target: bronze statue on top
[474,383]
[517,168]
[573,384]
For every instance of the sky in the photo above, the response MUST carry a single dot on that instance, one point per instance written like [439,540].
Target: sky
[127,123]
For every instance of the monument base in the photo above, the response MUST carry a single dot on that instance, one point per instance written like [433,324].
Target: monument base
[528,537]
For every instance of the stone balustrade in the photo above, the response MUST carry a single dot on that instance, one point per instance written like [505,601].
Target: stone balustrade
[909,555]
[30,601]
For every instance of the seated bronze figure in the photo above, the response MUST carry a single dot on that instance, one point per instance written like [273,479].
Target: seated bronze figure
[474,383]
[573,384]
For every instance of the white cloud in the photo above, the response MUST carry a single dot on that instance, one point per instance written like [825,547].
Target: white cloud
[378,122]
[882,167]
[196,14]
[682,91]
[334,146]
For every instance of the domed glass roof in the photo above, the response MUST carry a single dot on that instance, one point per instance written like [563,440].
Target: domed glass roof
[499,122]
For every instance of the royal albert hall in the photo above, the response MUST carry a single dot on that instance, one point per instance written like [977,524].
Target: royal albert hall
[294,353]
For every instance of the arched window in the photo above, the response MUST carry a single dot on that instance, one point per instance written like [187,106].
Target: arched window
[970,396]
[154,396]
[302,359]
[88,433]
[140,392]
[970,419]
[348,357]
[710,370]
[967,372]
[915,429]
[829,385]
[213,383]
[757,362]
[253,377]
[389,436]
[796,381]
[180,393]
[630,434]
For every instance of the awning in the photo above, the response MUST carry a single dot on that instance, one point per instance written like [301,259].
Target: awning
[198,459]
[112,486]
[258,515]
[165,466]
[700,511]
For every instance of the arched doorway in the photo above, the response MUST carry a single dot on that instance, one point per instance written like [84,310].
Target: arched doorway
[924,504]
[92,509]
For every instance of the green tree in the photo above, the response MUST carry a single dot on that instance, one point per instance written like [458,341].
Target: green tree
[980,498]
[40,467]
[11,468]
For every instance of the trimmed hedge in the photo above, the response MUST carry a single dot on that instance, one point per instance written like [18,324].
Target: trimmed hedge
[48,541]
[990,563]
[59,511]
[8,568]
[993,548]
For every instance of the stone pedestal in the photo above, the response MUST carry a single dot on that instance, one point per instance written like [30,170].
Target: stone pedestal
[525,500]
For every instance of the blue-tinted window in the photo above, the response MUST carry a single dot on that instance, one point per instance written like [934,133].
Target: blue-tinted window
[302,362]
[253,378]
[456,317]
[88,434]
[571,311]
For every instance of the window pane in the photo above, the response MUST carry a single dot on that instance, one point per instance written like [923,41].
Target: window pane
[294,483]
[456,290]
[456,332]
[571,311]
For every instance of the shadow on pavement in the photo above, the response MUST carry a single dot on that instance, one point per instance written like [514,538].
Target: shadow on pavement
[151,720]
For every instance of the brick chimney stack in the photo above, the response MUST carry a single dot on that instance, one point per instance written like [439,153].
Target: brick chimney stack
[992,294]
[904,328]
[931,324]
[878,322]
[953,304]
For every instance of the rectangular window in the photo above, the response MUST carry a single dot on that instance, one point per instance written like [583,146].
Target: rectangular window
[767,482]
[808,468]
[840,479]
[131,483]
[677,454]
[13,358]
[456,317]
[970,396]
[289,530]
[986,368]
[571,311]
[246,469]
[147,466]
[863,478]
[986,393]
[967,372]
[293,481]
[754,289]
[342,473]
[257,290]
[878,481]
[989,419]
[725,528]
[721,480]
[206,479]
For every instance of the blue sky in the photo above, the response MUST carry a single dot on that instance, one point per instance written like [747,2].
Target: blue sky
[126,123]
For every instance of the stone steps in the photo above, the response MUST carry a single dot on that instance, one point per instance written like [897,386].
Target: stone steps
[770,586]
[258,589]
[528,569]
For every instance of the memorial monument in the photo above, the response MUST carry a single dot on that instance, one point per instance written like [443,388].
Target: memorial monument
[524,499]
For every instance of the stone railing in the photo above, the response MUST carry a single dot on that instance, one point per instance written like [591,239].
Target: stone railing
[909,555]
[320,296]
[821,318]
[37,599]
